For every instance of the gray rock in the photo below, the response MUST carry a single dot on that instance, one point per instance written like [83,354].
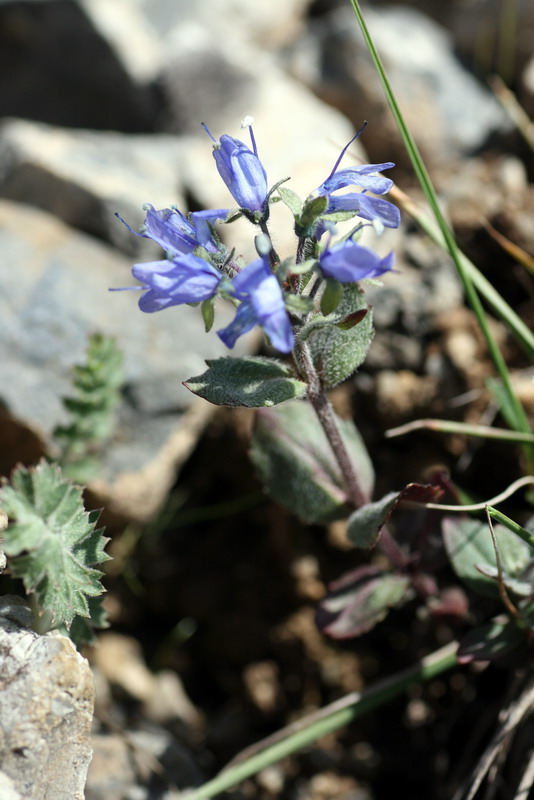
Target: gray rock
[47,708]
[447,110]
[59,69]
[54,292]
[84,177]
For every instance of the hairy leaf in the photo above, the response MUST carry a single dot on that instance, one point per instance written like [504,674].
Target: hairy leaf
[469,545]
[338,352]
[359,600]
[291,452]
[291,200]
[250,382]
[52,541]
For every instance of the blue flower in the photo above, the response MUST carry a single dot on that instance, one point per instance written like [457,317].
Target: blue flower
[367,177]
[242,171]
[176,233]
[184,279]
[262,303]
[349,262]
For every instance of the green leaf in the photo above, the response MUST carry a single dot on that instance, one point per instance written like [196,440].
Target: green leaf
[291,200]
[251,382]
[82,629]
[298,303]
[332,295]
[312,210]
[293,457]
[468,543]
[92,409]
[490,641]
[336,352]
[359,600]
[52,543]
[207,308]
[364,524]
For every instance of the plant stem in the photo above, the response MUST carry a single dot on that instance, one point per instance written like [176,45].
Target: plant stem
[328,719]
[327,419]
[325,413]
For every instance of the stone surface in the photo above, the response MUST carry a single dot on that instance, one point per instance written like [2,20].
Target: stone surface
[54,292]
[85,177]
[47,707]
[447,110]
[56,67]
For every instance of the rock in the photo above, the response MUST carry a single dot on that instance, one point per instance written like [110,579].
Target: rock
[119,660]
[54,292]
[140,765]
[7,788]
[268,26]
[447,110]
[47,708]
[59,69]
[85,177]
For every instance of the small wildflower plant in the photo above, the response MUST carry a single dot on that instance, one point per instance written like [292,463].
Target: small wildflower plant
[312,309]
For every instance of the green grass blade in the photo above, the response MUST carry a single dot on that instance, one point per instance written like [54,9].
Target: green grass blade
[331,718]
[512,526]
[522,332]
[521,422]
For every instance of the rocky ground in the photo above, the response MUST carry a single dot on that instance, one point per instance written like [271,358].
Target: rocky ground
[213,588]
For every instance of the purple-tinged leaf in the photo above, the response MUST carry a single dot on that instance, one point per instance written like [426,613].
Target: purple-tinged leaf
[365,524]
[359,600]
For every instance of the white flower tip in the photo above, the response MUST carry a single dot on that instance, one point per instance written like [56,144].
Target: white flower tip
[378,226]
[247,121]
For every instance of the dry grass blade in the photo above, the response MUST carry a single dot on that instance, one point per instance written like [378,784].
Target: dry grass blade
[511,718]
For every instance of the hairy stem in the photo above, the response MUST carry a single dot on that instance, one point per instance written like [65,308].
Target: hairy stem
[356,494]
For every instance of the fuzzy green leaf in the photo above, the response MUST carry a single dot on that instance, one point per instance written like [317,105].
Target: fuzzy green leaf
[312,210]
[469,545]
[52,541]
[336,352]
[291,200]
[250,382]
[291,452]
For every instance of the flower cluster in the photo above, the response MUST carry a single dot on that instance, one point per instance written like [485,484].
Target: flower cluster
[198,266]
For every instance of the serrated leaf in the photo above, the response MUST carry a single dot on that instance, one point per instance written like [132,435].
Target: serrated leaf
[364,524]
[250,382]
[359,600]
[82,629]
[291,200]
[52,541]
[291,452]
[337,353]
[468,543]
[490,641]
